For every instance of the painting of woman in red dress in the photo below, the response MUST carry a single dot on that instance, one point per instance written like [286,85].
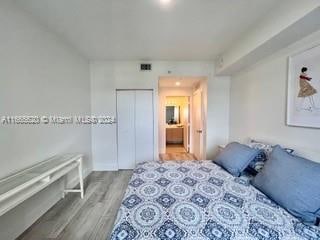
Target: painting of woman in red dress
[306,91]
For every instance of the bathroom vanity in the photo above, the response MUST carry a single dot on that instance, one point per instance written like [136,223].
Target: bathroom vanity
[174,134]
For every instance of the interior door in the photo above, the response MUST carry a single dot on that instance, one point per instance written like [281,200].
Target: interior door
[186,134]
[144,135]
[126,129]
[197,128]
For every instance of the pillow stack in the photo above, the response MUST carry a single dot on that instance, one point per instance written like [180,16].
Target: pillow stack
[292,182]
[289,180]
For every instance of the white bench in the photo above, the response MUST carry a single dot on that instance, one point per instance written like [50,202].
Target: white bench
[22,185]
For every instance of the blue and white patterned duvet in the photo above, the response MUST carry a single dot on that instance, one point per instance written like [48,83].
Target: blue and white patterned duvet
[199,200]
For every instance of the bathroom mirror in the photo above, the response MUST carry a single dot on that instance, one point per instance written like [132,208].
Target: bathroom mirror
[172,114]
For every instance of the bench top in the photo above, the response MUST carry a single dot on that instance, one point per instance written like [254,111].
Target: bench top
[28,176]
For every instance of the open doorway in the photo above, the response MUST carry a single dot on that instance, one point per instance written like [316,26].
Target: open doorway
[177,124]
[182,118]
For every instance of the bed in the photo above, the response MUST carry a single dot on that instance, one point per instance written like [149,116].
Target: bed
[199,200]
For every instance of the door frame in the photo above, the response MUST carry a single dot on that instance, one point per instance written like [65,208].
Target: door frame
[202,83]
[162,113]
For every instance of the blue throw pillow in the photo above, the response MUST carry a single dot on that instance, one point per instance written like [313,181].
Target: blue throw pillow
[293,182]
[235,157]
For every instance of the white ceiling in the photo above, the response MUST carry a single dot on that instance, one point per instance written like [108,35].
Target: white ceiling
[185,82]
[147,30]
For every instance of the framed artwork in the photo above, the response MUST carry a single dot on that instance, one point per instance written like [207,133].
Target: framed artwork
[303,103]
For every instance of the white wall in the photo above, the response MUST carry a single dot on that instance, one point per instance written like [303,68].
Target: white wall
[39,75]
[258,103]
[107,76]
[218,103]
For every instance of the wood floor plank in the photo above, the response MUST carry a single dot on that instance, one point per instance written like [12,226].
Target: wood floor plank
[177,156]
[89,218]
[81,226]
[91,213]
[174,148]
[67,214]
[112,202]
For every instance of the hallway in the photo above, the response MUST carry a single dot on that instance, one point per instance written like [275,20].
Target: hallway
[175,148]
[177,156]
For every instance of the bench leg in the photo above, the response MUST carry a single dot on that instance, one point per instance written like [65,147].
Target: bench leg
[81,177]
[64,185]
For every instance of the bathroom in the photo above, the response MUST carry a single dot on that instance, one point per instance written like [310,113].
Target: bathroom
[177,124]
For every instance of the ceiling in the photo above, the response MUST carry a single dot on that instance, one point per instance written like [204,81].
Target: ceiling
[184,82]
[147,29]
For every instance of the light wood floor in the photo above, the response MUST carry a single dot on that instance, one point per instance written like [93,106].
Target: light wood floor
[177,156]
[91,218]
[175,148]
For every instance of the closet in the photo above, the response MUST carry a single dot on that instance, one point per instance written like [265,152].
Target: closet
[135,128]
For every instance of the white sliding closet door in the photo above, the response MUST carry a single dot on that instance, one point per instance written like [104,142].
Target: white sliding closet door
[126,129]
[144,126]
[135,127]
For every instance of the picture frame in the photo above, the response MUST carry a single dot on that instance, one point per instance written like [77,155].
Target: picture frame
[303,93]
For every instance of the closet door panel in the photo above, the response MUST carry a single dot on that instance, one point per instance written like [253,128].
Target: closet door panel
[144,126]
[126,129]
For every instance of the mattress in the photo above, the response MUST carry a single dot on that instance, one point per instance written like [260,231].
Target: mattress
[199,200]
